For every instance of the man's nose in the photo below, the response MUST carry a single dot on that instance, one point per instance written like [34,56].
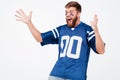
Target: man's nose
[68,14]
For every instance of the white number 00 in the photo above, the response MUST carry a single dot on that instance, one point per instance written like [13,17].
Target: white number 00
[67,47]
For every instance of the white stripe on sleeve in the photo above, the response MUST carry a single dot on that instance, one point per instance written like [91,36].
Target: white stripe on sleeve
[91,37]
[54,33]
[57,32]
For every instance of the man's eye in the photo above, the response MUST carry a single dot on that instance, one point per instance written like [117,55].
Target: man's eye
[66,13]
[71,14]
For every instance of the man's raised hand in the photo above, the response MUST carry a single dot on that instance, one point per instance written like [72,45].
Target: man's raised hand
[21,16]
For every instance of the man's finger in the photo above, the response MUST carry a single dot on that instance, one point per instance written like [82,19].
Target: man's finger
[30,14]
[18,20]
[22,11]
[17,16]
[95,17]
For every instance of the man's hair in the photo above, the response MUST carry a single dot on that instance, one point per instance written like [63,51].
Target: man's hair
[74,4]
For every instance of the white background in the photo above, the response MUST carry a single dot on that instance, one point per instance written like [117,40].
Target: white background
[22,58]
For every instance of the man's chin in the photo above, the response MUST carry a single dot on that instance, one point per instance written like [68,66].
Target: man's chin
[70,25]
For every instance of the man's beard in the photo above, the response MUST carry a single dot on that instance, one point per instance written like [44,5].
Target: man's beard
[72,22]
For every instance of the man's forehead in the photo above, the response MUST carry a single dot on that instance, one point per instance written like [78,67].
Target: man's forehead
[70,9]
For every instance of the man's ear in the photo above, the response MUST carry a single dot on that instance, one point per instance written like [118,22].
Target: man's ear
[78,14]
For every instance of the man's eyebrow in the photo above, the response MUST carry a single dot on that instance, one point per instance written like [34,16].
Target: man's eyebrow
[69,11]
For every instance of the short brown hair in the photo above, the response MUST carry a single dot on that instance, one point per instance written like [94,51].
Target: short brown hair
[74,4]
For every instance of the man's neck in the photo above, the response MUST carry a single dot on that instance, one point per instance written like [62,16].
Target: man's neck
[77,22]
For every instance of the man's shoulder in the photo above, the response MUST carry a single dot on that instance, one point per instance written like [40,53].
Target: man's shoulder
[61,26]
[86,26]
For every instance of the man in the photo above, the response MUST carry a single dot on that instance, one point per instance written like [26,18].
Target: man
[74,39]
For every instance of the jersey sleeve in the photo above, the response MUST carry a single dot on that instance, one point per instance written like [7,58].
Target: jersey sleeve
[91,39]
[50,37]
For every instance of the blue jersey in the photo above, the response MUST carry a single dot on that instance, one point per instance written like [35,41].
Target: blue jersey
[74,46]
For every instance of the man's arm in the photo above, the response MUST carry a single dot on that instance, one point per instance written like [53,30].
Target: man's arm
[100,47]
[21,16]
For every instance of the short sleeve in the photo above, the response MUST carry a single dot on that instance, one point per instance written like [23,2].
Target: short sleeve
[91,39]
[50,37]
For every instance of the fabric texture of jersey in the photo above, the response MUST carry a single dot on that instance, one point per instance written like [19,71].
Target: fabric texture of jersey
[74,46]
